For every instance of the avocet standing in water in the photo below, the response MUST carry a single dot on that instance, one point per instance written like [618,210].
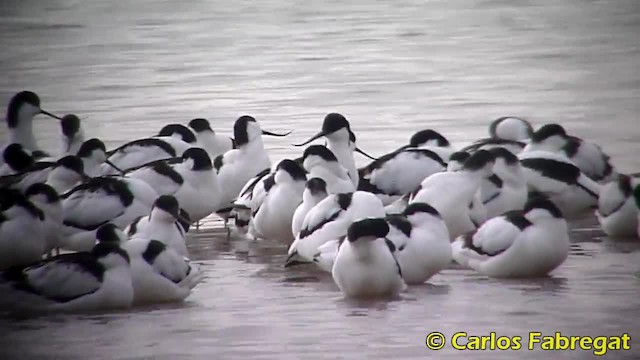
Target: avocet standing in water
[329,220]
[164,223]
[273,211]
[191,179]
[320,162]
[365,266]
[315,191]
[23,106]
[453,194]
[82,281]
[239,165]
[528,243]
[617,211]
[99,201]
[209,140]
[341,141]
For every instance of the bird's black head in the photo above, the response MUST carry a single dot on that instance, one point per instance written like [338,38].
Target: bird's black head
[89,146]
[547,131]
[321,151]
[293,169]
[542,202]
[200,125]
[423,136]
[50,194]
[178,129]
[334,122]
[241,129]
[316,186]
[72,163]
[17,158]
[200,158]
[420,207]
[504,154]
[108,233]
[70,125]
[478,160]
[167,203]
[372,227]
[459,156]
[16,102]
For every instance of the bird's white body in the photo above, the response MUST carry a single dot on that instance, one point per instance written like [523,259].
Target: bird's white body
[162,227]
[309,200]
[159,274]
[367,269]
[509,251]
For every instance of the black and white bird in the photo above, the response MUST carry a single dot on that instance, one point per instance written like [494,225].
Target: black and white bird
[72,135]
[506,189]
[399,172]
[93,154]
[617,211]
[159,274]
[509,132]
[45,198]
[102,200]
[315,190]
[341,141]
[320,162]
[23,106]
[84,281]
[429,139]
[587,156]
[456,160]
[236,167]
[15,159]
[559,179]
[165,223]
[365,266]
[191,179]
[273,209]
[455,195]
[23,237]
[62,174]
[208,139]
[172,141]
[329,220]
[527,243]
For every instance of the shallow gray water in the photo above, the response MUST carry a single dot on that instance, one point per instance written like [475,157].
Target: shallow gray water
[127,68]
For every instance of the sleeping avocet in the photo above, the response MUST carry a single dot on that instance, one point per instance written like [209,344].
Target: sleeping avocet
[429,139]
[99,201]
[191,179]
[273,210]
[208,139]
[172,141]
[93,154]
[456,160]
[164,223]
[421,242]
[559,179]
[239,165]
[22,230]
[45,198]
[62,174]
[329,220]
[23,106]
[510,128]
[159,274]
[320,162]
[365,266]
[399,172]
[453,194]
[315,190]
[527,243]
[617,211]
[506,189]
[82,281]
[341,141]
[72,135]
[15,159]
[587,156]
